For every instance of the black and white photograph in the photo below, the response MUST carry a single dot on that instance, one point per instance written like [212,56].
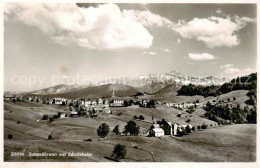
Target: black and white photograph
[129,82]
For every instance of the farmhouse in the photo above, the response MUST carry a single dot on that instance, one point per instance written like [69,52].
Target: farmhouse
[157,132]
[58,100]
[73,113]
[62,115]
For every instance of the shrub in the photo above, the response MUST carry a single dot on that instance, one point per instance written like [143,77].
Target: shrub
[55,117]
[135,117]
[188,121]
[45,117]
[103,130]
[10,136]
[198,127]
[234,98]
[203,126]
[51,120]
[119,152]
[188,129]
[18,122]
[116,130]
[151,104]
[50,137]
[193,129]
[141,117]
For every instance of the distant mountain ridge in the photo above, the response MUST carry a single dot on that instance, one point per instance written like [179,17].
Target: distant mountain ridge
[151,83]
[94,92]
[58,89]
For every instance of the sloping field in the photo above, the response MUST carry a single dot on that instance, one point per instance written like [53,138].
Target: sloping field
[240,96]
[214,144]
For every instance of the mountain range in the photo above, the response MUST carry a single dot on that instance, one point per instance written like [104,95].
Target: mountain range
[152,83]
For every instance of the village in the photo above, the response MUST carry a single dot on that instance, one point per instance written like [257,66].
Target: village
[104,106]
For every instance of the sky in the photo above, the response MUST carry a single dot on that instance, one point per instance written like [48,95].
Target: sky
[54,43]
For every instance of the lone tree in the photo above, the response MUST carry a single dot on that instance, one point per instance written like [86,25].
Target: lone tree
[103,130]
[10,136]
[132,128]
[116,130]
[119,152]
[141,117]
[188,129]
[45,117]
[151,104]
[50,137]
[135,117]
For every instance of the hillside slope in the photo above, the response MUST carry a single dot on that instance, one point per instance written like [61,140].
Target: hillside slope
[93,92]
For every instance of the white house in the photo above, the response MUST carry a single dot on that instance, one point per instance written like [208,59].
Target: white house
[58,100]
[100,101]
[73,113]
[157,132]
[94,103]
[62,114]
[175,127]
[87,103]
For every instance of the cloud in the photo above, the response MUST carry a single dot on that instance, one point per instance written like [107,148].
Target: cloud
[107,27]
[201,57]
[101,27]
[213,31]
[147,18]
[230,69]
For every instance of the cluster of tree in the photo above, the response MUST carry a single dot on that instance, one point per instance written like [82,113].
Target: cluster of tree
[130,128]
[190,109]
[184,130]
[51,119]
[150,103]
[141,117]
[252,97]
[191,90]
[240,83]
[223,114]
